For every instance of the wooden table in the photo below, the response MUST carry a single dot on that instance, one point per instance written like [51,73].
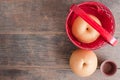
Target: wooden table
[34,44]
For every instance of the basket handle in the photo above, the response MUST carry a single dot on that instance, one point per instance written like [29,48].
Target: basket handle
[105,34]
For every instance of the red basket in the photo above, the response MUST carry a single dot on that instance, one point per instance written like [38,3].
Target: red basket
[102,13]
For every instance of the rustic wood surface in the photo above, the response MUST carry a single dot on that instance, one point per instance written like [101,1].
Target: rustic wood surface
[34,44]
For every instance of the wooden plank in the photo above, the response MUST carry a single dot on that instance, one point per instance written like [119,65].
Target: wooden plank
[24,50]
[33,43]
[32,15]
[48,50]
[40,15]
[50,74]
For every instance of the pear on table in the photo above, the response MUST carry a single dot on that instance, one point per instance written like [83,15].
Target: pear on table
[83,62]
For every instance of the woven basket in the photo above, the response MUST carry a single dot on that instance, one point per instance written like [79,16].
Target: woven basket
[102,13]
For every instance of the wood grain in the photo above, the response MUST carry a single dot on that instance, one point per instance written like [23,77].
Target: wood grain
[32,15]
[34,44]
[52,50]
[47,74]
